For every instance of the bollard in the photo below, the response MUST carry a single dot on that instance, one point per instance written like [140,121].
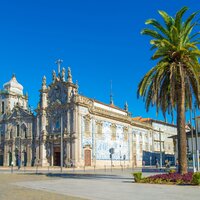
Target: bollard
[84,168]
[105,168]
[94,168]
[36,171]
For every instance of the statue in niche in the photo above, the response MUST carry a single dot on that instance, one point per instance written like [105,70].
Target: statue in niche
[69,78]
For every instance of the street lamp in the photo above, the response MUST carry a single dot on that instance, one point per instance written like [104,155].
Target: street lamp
[192,131]
[197,144]
[61,143]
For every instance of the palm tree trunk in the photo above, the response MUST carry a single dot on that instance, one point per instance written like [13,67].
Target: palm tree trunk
[182,151]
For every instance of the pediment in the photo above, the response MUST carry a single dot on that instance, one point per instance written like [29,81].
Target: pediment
[19,112]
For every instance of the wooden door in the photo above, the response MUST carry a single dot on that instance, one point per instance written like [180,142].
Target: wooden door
[56,156]
[87,157]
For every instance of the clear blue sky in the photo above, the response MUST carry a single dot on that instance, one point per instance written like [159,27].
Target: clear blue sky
[100,40]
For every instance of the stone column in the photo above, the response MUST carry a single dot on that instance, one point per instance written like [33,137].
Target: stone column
[43,154]
[5,157]
[30,155]
[51,154]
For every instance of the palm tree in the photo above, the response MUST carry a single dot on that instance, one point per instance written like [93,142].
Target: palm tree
[173,84]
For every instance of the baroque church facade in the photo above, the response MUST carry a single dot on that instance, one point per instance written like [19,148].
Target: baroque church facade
[70,129]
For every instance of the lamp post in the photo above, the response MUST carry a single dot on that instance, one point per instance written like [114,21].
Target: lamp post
[120,156]
[192,135]
[196,139]
[61,143]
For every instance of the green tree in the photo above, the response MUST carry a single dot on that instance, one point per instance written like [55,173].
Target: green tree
[173,83]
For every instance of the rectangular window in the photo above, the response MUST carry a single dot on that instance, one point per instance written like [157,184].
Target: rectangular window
[87,125]
[113,132]
[146,147]
[125,129]
[141,149]
[99,128]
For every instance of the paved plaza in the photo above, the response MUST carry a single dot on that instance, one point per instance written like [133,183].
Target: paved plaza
[98,185]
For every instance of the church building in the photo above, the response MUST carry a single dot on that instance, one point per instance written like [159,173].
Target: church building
[71,129]
[16,126]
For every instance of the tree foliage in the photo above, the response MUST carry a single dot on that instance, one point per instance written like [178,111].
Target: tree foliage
[177,53]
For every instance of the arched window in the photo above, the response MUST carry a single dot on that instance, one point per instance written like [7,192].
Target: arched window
[18,130]
[2,107]
[57,124]
[24,130]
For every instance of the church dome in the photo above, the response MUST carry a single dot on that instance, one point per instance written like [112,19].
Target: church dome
[13,86]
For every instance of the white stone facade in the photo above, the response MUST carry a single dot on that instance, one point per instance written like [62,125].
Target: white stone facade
[16,126]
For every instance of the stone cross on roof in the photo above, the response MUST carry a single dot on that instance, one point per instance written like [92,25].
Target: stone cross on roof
[58,62]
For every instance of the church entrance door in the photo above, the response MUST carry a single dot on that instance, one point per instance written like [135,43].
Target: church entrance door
[1,160]
[87,157]
[56,156]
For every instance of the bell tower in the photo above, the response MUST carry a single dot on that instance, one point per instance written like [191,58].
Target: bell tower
[11,95]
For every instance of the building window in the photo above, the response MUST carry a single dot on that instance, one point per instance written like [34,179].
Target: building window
[125,133]
[141,149]
[134,147]
[2,107]
[87,125]
[17,130]
[57,124]
[113,131]
[99,125]
[146,147]
[25,132]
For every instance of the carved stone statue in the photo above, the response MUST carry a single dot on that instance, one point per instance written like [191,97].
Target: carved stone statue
[63,74]
[126,106]
[69,77]
[54,75]
[44,81]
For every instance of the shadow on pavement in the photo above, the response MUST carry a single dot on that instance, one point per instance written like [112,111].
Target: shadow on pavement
[87,176]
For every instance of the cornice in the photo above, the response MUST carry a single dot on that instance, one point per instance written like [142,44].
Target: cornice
[89,103]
